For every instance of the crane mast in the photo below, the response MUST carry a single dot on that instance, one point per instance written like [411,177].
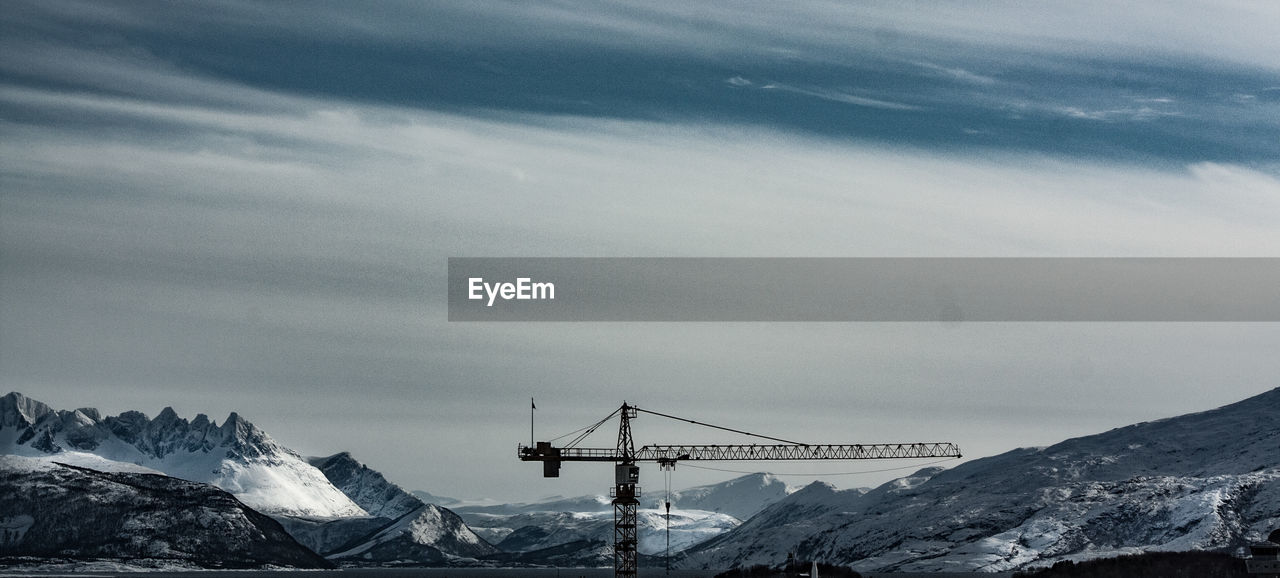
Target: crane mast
[626,489]
[626,499]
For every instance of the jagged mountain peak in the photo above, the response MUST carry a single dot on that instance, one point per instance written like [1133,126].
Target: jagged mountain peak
[236,456]
[20,411]
[85,416]
[166,433]
[237,427]
[242,436]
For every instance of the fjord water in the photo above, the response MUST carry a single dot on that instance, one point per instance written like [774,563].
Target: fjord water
[494,573]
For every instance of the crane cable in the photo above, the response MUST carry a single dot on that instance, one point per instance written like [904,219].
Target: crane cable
[668,471]
[588,430]
[738,431]
[593,427]
[560,437]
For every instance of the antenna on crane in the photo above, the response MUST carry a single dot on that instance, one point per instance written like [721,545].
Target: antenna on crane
[626,489]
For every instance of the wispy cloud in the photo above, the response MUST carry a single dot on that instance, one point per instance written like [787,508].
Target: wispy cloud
[841,97]
[958,74]
[627,61]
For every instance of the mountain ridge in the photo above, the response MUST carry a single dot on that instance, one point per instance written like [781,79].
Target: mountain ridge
[1202,481]
[1207,480]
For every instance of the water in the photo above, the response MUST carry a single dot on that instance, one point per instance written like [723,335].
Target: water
[447,573]
[516,572]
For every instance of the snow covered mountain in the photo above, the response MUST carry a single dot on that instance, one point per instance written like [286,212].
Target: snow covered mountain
[1207,481]
[428,535]
[405,531]
[367,488]
[56,511]
[697,514]
[741,497]
[333,505]
[235,456]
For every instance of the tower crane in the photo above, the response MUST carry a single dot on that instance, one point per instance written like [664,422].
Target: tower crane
[625,456]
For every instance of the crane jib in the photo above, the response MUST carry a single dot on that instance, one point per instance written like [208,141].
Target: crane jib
[544,452]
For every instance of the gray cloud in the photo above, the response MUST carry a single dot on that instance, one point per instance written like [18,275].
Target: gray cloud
[1006,78]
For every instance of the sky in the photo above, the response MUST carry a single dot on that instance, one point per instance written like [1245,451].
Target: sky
[244,206]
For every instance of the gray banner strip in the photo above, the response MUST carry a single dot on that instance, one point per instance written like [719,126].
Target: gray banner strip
[864,289]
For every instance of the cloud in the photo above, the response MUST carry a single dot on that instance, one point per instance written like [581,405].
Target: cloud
[841,97]
[240,206]
[633,62]
[958,74]
[293,262]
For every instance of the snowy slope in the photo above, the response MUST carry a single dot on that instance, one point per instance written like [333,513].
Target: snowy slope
[740,497]
[65,512]
[235,456]
[428,535]
[1209,480]
[538,530]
